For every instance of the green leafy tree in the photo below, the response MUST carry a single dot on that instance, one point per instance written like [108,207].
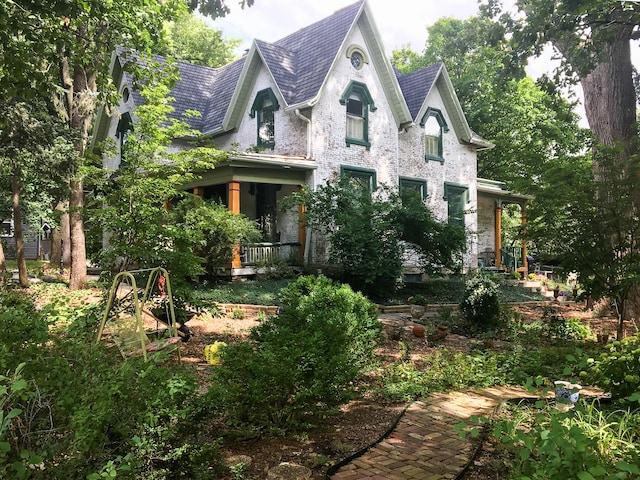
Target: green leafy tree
[191,39]
[37,155]
[369,232]
[538,141]
[593,39]
[602,235]
[141,229]
[63,48]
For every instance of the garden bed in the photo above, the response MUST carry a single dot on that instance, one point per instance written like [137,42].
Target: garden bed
[361,422]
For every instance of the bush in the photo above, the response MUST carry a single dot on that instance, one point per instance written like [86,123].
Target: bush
[618,369]
[481,303]
[302,362]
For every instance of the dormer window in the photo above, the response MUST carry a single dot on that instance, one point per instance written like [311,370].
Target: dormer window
[358,103]
[263,109]
[434,126]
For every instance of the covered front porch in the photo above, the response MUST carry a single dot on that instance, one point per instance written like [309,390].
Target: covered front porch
[493,197]
[255,185]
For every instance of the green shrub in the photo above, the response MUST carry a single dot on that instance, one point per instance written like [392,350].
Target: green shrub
[618,369]
[303,361]
[481,303]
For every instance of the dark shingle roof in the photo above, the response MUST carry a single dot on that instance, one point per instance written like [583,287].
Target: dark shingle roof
[415,86]
[315,48]
[299,64]
[217,102]
[192,91]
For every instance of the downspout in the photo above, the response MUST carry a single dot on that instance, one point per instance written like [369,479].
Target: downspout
[307,120]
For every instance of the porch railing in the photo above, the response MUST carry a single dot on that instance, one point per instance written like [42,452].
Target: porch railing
[258,253]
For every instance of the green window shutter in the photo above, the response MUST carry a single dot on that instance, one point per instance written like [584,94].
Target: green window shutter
[435,126]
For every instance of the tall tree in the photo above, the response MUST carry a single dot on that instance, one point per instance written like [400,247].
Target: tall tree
[34,150]
[536,133]
[191,39]
[64,47]
[593,38]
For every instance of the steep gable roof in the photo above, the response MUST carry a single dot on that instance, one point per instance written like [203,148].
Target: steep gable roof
[300,64]
[315,48]
[416,87]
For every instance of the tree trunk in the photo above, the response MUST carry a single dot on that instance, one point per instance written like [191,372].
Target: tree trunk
[3,266]
[610,97]
[23,278]
[81,109]
[78,278]
[61,234]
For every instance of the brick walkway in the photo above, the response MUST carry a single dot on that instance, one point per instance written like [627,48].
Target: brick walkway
[425,444]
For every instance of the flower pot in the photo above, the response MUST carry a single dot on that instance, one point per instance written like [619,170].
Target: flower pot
[418,331]
[566,393]
[443,331]
[417,311]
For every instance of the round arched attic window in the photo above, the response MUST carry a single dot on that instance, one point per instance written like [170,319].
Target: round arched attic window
[357,56]
[125,94]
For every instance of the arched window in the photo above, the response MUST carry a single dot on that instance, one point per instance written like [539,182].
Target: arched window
[359,103]
[264,106]
[434,126]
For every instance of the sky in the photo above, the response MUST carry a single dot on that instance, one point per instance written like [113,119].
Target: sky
[399,22]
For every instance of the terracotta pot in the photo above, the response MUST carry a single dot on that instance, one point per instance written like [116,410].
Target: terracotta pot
[443,331]
[418,330]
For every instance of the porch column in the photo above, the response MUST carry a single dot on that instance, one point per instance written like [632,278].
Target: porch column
[498,232]
[198,191]
[523,215]
[233,200]
[302,229]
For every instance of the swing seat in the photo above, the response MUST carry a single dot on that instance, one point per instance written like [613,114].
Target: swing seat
[131,339]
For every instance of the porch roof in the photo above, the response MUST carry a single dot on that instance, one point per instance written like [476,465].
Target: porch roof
[259,168]
[496,189]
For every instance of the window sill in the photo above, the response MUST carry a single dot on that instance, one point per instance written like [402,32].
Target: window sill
[434,158]
[354,141]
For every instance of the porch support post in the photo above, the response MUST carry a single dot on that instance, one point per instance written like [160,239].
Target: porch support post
[525,264]
[198,191]
[498,232]
[233,200]
[302,229]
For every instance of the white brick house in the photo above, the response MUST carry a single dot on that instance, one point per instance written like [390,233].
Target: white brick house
[321,101]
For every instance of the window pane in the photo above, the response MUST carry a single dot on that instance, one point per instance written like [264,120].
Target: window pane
[355,127]
[432,145]
[266,128]
[354,107]
[455,202]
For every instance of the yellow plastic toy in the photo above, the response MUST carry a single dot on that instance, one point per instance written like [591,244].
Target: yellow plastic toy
[212,352]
